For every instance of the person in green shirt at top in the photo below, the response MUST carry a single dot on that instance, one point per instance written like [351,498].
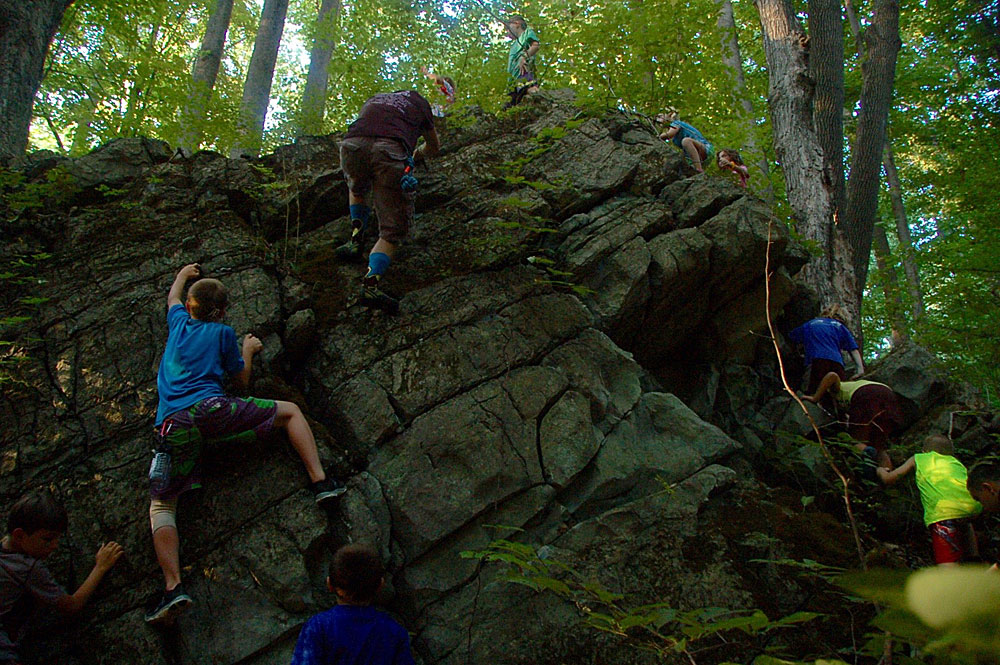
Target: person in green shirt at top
[948,505]
[521,60]
[873,413]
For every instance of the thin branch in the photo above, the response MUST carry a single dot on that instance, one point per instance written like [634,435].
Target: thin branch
[55,132]
[812,422]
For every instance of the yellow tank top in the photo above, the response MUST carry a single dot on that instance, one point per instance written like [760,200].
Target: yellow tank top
[941,481]
[848,388]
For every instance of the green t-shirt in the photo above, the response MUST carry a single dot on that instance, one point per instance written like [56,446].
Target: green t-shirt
[941,481]
[518,46]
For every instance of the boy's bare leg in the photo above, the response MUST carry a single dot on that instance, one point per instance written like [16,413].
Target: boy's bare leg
[289,417]
[385,247]
[691,148]
[884,460]
[167,545]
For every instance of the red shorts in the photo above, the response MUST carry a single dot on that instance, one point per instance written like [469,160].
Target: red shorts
[948,541]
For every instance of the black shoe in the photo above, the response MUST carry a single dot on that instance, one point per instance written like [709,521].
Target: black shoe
[326,490]
[350,250]
[373,296]
[172,604]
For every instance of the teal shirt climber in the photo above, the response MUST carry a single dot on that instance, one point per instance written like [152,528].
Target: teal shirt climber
[518,46]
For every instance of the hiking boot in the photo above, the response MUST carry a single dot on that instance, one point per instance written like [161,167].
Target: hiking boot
[172,604]
[373,296]
[326,491]
[350,250]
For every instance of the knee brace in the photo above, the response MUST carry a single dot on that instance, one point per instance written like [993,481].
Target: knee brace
[162,512]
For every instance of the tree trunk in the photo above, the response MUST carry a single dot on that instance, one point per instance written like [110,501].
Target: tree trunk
[890,288]
[260,74]
[734,61]
[798,151]
[826,65]
[203,75]
[26,31]
[878,78]
[906,250]
[313,109]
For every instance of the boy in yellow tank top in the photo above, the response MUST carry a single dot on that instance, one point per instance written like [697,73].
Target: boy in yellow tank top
[948,505]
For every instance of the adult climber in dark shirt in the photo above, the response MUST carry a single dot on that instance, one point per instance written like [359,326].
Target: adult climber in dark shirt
[376,154]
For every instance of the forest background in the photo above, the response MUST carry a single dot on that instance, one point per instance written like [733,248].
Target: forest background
[118,68]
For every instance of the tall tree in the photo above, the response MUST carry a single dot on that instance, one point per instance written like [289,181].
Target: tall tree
[840,219]
[878,71]
[203,75]
[826,67]
[906,249]
[893,303]
[26,30]
[895,192]
[313,109]
[790,96]
[260,75]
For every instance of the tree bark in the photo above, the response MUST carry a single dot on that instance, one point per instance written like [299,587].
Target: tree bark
[260,75]
[313,109]
[790,95]
[826,65]
[26,31]
[906,249]
[734,61]
[203,74]
[878,78]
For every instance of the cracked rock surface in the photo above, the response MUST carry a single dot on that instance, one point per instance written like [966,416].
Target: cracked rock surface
[580,316]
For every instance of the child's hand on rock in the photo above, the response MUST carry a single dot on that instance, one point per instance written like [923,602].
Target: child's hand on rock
[108,555]
[252,345]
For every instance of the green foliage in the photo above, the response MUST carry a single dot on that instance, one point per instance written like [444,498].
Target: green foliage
[17,195]
[949,612]
[658,628]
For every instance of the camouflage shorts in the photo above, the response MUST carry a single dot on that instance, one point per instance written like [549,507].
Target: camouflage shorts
[213,420]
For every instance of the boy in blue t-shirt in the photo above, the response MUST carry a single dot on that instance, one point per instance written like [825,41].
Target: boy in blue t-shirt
[824,338]
[194,409]
[353,632]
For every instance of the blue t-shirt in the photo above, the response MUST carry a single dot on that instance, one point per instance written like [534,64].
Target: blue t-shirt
[352,635]
[824,338]
[198,356]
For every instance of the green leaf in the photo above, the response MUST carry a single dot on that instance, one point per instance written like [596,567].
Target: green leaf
[552,584]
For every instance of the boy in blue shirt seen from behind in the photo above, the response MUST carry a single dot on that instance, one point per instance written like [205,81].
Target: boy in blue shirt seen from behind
[824,338]
[194,410]
[353,632]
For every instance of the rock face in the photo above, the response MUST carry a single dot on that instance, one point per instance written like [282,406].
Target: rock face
[577,311]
